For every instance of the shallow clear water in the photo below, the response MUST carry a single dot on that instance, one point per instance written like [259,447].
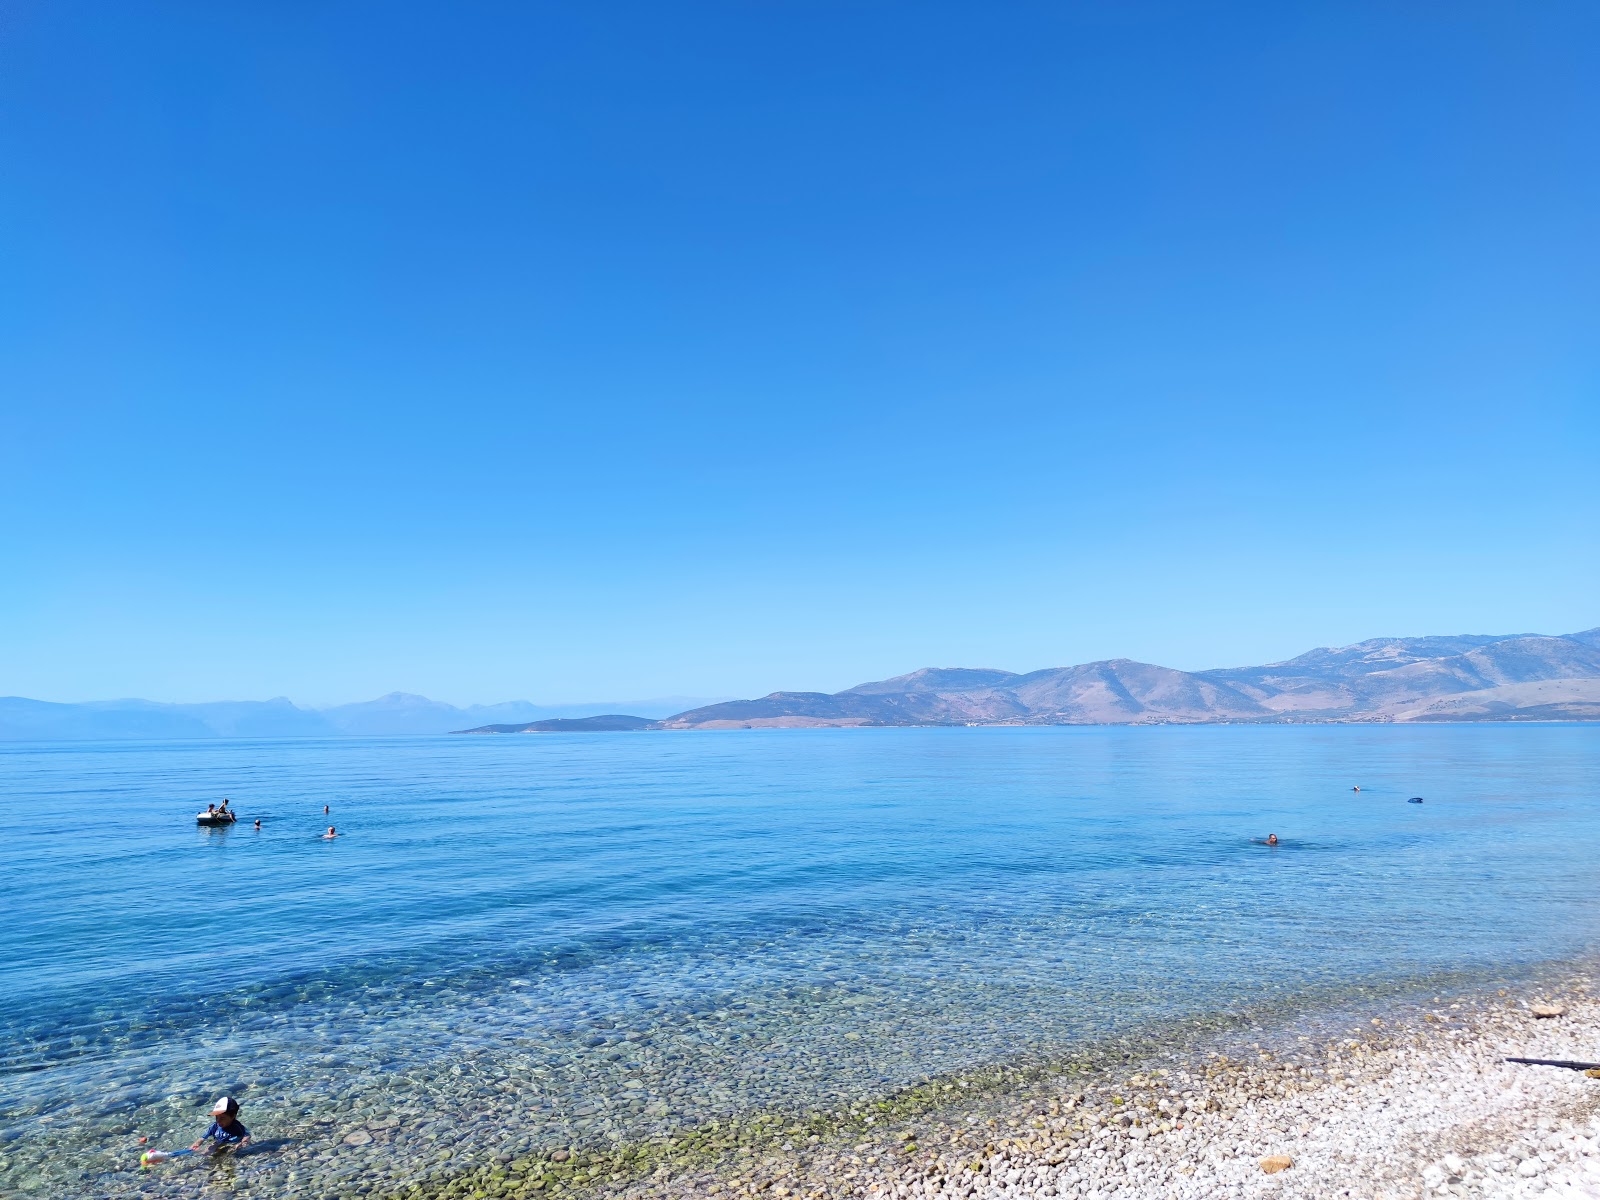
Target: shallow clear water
[563,939]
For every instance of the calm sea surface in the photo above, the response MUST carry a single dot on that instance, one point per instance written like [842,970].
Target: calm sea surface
[535,941]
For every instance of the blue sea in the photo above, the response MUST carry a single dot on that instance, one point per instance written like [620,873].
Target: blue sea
[521,942]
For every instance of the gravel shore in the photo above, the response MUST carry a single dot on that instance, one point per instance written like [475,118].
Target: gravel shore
[1424,1108]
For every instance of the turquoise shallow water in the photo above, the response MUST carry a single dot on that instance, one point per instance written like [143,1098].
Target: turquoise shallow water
[568,939]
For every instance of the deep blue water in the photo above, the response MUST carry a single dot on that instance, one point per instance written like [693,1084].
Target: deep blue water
[640,930]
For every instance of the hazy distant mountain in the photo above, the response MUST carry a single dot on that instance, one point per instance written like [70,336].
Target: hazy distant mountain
[604,723]
[1100,693]
[1122,690]
[1467,678]
[39,720]
[936,679]
[1472,677]
[1394,676]
[402,714]
[259,718]
[395,715]
[112,720]
[800,709]
[661,706]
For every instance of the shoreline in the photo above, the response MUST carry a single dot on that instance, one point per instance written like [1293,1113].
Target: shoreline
[1366,1091]
[787,724]
[1375,1109]
[983,1112]
[1394,1109]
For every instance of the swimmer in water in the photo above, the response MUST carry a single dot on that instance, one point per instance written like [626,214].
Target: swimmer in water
[1272,839]
[258,822]
[329,834]
[324,810]
[1357,788]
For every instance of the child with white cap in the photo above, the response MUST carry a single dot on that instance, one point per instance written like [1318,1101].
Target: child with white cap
[226,1128]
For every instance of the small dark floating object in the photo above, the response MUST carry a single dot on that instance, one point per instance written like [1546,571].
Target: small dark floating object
[1415,800]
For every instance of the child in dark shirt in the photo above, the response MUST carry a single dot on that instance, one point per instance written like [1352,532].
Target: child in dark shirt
[226,1128]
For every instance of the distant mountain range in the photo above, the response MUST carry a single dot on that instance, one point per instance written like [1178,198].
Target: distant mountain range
[1518,677]
[395,715]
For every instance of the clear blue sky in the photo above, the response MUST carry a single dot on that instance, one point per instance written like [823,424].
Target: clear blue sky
[573,351]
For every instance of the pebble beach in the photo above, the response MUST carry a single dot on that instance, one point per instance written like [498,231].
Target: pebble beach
[1424,1108]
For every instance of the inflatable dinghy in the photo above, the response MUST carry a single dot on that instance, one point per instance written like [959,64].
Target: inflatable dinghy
[215,818]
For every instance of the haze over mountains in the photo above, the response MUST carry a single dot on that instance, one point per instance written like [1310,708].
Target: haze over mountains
[395,715]
[1518,677]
